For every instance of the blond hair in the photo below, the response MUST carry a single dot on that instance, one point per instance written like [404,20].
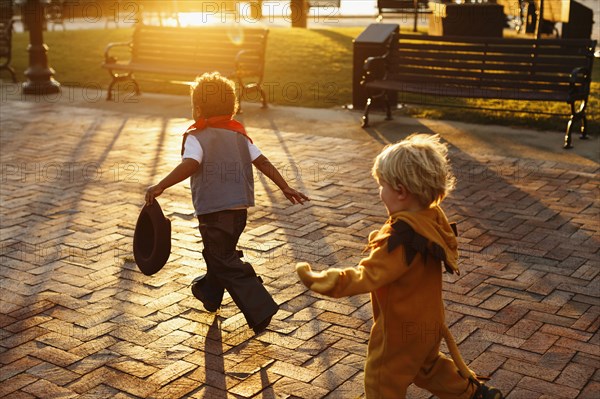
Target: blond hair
[418,163]
[214,95]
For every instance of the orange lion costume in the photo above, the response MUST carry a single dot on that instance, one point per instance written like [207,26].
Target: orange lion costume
[403,273]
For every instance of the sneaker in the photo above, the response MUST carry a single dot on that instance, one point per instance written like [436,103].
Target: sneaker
[485,392]
[197,283]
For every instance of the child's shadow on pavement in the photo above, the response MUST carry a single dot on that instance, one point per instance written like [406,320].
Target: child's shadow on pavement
[215,383]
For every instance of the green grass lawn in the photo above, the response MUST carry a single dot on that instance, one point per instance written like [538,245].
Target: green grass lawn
[304,67]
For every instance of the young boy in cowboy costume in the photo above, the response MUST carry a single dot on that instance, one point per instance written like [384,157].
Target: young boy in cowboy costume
[218,155]
[403,273]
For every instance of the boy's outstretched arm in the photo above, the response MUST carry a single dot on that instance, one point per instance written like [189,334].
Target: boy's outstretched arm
[380,268]
[185,169]
[267,168]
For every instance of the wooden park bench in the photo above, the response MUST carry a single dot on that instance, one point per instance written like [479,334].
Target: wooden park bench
[235,52]
[484,68]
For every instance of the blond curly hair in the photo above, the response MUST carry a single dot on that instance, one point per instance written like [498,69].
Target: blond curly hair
[420,164]
[213,95]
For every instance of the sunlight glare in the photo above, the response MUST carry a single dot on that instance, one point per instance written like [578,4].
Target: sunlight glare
[234,29]
[235,34]
[198,19]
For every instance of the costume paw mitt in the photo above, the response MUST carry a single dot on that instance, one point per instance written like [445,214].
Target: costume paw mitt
[321,282]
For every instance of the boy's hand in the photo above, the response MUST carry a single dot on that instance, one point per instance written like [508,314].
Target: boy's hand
[267,168]
[295,197]
[185,169]
[321,282]
[153,192]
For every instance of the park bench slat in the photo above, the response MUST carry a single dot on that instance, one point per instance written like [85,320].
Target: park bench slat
[403,37]
[158,41]
[243,42]
[486,68]
[486,82]
[189,51]
[195,68]
[567,63]
[212,54]
[450,66]
[186,49]
[182,70]
[467,91]
[495,49]
[213,57]
[473,79]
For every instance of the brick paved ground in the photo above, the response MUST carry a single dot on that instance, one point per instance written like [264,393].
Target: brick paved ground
[77,319]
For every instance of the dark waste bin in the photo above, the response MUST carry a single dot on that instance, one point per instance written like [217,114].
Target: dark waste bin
[372,42]
[581,19]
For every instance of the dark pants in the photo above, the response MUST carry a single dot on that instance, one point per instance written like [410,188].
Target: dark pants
[226,271]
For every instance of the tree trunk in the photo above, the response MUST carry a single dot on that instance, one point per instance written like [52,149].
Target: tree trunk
[299,9]
[256,10]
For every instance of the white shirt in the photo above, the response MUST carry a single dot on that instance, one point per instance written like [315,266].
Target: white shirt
[193,149]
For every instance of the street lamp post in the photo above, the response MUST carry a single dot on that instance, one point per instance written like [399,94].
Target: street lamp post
[38,73]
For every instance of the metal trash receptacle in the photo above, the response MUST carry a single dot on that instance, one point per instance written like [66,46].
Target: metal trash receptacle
[581,21]
[372,42]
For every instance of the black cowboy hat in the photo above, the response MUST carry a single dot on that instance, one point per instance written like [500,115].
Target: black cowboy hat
[152,239]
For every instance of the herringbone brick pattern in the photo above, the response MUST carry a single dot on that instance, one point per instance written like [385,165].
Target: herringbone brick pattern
[79,320]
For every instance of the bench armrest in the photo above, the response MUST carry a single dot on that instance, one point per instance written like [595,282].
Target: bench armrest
[373,69]
[580,76]
[108,59]
[239,57]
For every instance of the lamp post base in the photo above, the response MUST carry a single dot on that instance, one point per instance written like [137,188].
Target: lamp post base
[39,77]
[40,88]
[39,74]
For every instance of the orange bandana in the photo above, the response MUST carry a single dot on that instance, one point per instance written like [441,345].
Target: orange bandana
[220,122]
